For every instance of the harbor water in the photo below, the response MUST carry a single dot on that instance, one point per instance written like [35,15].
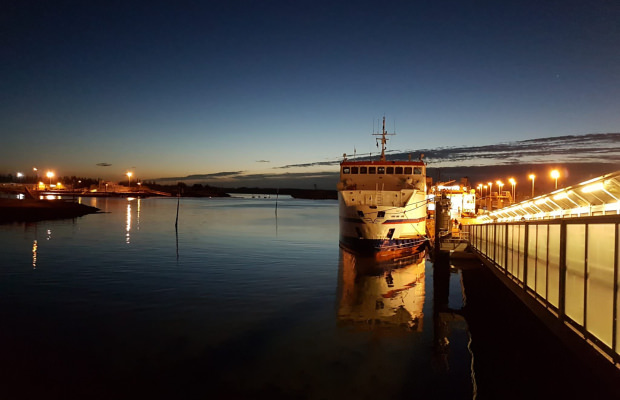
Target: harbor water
[247,298]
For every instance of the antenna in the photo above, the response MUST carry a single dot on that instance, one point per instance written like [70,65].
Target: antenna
[383,140]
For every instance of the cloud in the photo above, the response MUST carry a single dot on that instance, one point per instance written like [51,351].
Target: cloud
[599,147]
[262,161]
[216,175]
[592,152]
[103,164]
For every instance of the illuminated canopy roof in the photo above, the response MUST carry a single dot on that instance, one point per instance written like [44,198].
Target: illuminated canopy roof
[598,196]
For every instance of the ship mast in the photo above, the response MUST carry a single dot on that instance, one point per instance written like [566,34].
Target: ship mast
[383,139]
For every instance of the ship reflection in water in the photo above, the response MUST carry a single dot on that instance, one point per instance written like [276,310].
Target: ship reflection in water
[412,298]
[376,295]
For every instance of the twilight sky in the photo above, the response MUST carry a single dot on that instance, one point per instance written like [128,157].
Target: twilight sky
[170,89]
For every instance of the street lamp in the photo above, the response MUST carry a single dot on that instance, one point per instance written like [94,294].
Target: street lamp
[490,188]
[532,177]
[50,175]
[500,184]
[555,174]
[514,186]
[129,179]
[480,189]
[486,190]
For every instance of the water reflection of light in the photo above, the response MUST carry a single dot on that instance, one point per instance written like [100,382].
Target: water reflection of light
[381,295]
[49,234]
[34,254]
[138,215]
[128,227]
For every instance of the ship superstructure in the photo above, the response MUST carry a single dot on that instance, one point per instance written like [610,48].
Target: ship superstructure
[382,204]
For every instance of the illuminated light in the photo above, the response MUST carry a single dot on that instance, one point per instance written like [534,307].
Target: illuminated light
[455,187]
[541,201]
[560,196]
[593,187]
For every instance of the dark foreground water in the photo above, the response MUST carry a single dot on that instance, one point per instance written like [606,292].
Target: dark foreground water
[242,302]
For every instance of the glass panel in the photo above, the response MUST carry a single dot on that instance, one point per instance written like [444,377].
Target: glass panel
[372,170]
[500,245]
[408,170]
[618,297]
[417,170]
[354,170]
[346,170]
[483,240]
[575,266]
[492,241]
[541,261]
[398,170]
[553,266]
[521,254]
[389,170]
[600,281]
[509,248]
[381,170]
[363,170]
[531,256]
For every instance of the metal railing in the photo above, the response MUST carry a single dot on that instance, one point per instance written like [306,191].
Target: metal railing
[569,265]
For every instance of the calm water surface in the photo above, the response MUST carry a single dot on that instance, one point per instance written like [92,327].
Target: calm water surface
[241,302]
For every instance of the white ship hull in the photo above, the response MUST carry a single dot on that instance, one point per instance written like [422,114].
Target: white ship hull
[382,221]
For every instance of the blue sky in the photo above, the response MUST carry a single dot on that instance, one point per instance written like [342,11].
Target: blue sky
[178,88]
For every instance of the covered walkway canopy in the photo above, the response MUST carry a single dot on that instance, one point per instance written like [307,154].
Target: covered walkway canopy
[598,196]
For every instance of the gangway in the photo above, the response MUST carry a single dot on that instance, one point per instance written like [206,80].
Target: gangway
[560,254]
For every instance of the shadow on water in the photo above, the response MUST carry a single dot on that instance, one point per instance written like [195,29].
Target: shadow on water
[517,356]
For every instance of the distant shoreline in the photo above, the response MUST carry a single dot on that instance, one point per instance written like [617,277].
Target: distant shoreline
[27,210]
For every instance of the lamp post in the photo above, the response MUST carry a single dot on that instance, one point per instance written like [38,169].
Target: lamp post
[500,184]
[50,175]
[532,177]
[514,186]
[480,189]
[490,188]
[486,190]
[555,174]
[129,180]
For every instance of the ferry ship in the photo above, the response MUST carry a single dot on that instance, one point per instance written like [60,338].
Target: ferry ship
[382,204]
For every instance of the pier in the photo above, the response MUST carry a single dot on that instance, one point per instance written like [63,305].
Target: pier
[559,253]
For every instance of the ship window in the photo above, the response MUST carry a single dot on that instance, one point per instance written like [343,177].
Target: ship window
[417,170]
[354,170]
[381,170]
[408,170]
[389,170]
[399,170]
[360,213]
[363,170]
[390,233]
[346,170]
[372,170]
[381,214]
